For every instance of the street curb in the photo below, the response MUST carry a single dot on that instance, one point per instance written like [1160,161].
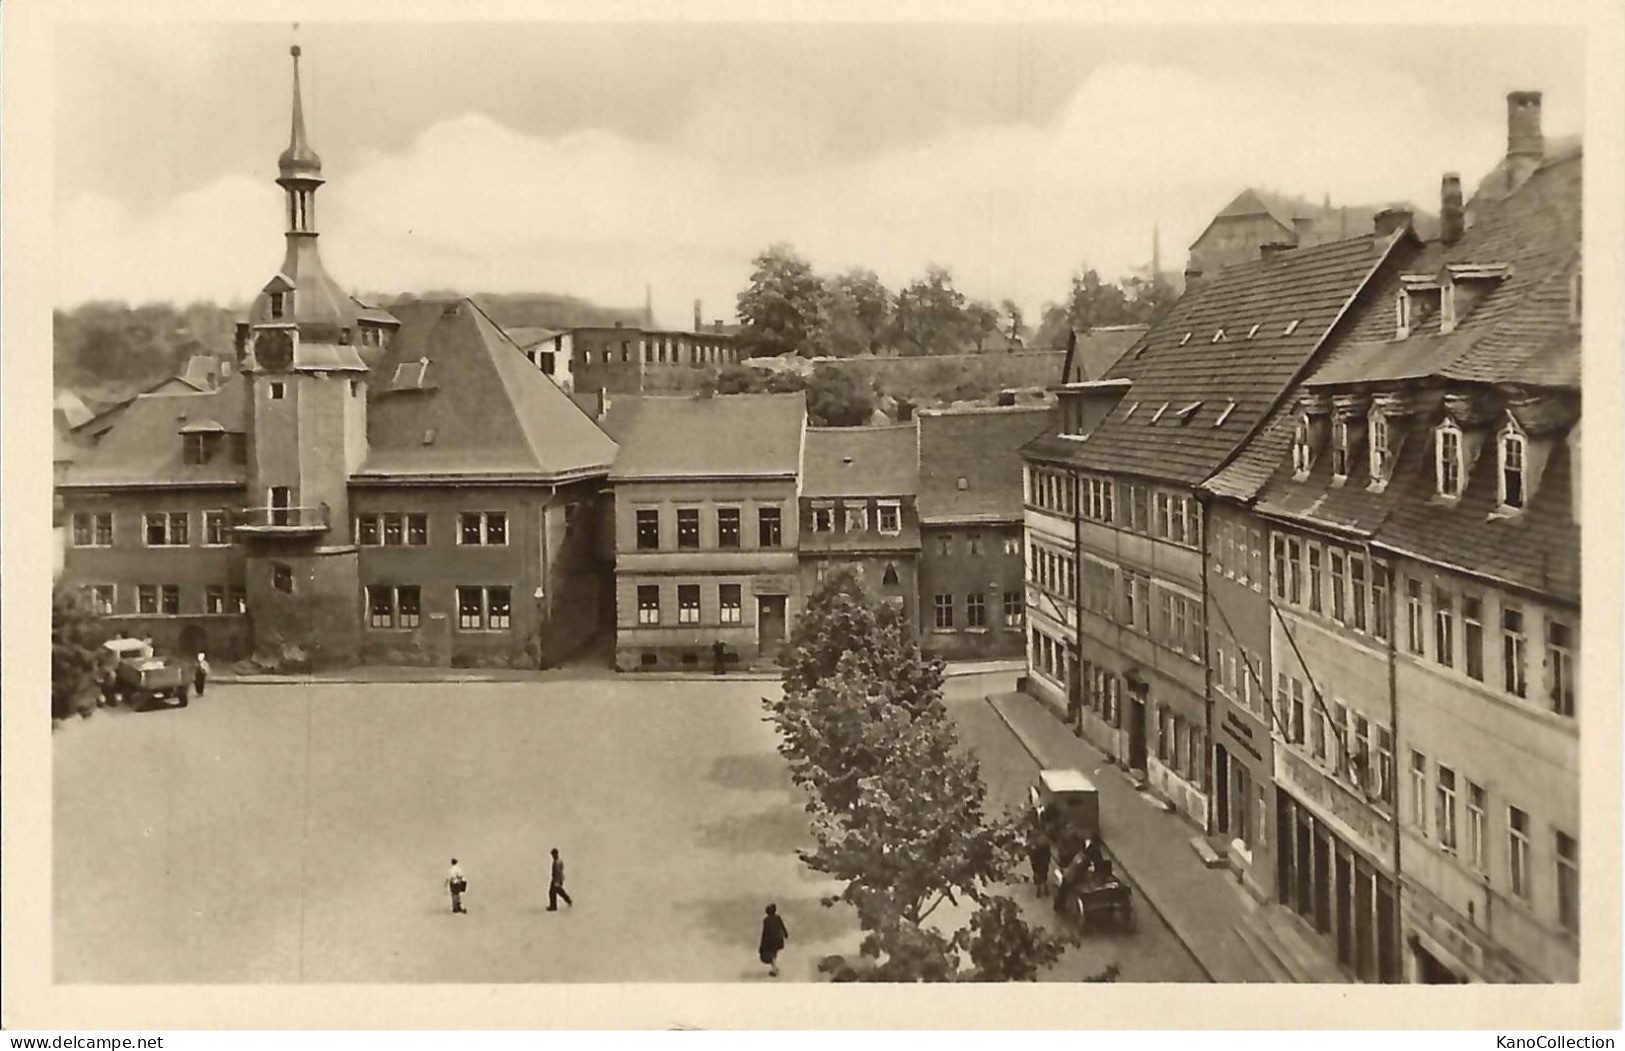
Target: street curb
[950,672]
[1031,751]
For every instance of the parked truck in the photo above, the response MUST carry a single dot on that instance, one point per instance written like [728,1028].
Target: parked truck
[134,675]
[1084,884]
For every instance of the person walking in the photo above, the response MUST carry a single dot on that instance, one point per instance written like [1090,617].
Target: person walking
[1038,853]
[555,884]
[457,883]
[200,674]
[774,935]
[719,658]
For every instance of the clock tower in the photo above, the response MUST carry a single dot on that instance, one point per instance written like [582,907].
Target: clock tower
[306,352]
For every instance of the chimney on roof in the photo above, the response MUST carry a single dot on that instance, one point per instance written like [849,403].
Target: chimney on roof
[1193,278]
[1391,220]
[1526,147]
[1452,218]
[1271,249]
[698,313]
[1303,228]
[719,324]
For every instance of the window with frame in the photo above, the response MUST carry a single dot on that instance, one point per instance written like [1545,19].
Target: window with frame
[1278,565]
[1415,618]
[1444,626]
[394,530]
[1340,449]
[1472,635]
[488,528]
[1514,646]
[1012,545]
[648,604]
[1568,882]
[1518,852]
[1419,792]
[688,527]
[1339,574]
[648,529]
[417,530]
[1560,666]
[1014,609]
[945,545]
[857,518]
[380,606]
[1385,766]
[1256,558]
[1381,459]
[823,516]
[769,527]
[889,517]
[1360,771]
[101,598]
[1514,453]
[236,600]
[282,577]
[279,390]
[943,606]
[1315,583]
[727,527]
[93,529]
[146,598]
[1379,600]
[975,610]
[214,529]
[1477,807]
[1294,571]
[1357,595]
[167,529]
[1294,726]
[1447,460]
[214,599]
[1402,315]
[688,603]
[1302,451]
[1445,789]
[367,531]
[888,578]
[484,608]
[729,605]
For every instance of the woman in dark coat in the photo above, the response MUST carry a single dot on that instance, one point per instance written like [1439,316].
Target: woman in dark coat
[774,936]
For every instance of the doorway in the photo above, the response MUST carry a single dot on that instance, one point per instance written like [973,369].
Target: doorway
[1136,733]
[281,500]
[769,623]
[1221,785]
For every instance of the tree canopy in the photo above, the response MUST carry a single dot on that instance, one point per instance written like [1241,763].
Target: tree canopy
[897,806]
[783,309]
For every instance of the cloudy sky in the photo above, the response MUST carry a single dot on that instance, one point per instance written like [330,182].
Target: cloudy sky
[592,159]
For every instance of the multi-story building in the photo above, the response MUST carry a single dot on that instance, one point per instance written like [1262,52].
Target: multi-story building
[1424,581]
[858,490]
[971,578]
[621,359]
[706,526]
[1125,467]
[354,489]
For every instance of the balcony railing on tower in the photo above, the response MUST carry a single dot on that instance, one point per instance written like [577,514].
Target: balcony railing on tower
[276,520]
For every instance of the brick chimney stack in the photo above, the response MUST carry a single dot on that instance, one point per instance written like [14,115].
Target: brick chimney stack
[1452,218]
[1526,147]
[699,326]
[1390,220]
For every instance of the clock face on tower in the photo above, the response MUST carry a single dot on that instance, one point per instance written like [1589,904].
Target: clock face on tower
[273,349]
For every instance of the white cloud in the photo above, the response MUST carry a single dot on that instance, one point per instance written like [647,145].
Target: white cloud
[1012,210]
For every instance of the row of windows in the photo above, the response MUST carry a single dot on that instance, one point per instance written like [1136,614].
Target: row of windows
[174,528]
[729,604]
[1236,675]
[1238,553]
[1158,513]
[1051,658]
[1456,802]
[663,351]
[855,519]
[165,599]
[1179,619]
[480,607]
[769,527]
[943,611]
[1449,456]
[1181,744]
[1342,741]
[1348,589]
[948,545]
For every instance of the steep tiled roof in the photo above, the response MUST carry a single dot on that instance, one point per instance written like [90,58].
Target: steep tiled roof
[723,436]
[144,446]
[860,461]
[1520,331]
[1101,348]
[480,411]
[982,446]
[1186,376]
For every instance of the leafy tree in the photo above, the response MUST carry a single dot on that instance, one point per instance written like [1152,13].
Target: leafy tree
[1015,326]
[981,321]
[1149,297]
[75,634]
[930,315]
[897,806]
[836,399]
[857,313]
[782,310]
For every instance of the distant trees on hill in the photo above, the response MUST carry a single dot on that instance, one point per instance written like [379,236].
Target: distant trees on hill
[790,309]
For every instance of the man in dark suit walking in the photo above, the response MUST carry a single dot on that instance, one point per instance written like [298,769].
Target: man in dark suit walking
[555,884]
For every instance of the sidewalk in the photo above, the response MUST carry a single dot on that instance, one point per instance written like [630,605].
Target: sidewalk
[1202,906]
[378,673]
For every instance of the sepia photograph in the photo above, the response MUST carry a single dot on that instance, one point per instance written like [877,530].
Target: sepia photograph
[544,498]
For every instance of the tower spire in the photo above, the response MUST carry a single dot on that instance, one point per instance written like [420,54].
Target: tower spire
[299,169]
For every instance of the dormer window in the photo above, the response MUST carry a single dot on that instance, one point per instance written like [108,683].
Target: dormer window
[1218,335]
[1381,455]
[1402,315]
[823,517]
[1447,459]
[1132,409]
[1514,461]
[1340,449]
[1252,331]
[1447,307]
[1291,327]
[1224,413]
[1186,338]
[1302,451]
[1158,414]
[279,304]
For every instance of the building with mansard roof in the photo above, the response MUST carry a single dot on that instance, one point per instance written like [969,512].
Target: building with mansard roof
[360,485]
